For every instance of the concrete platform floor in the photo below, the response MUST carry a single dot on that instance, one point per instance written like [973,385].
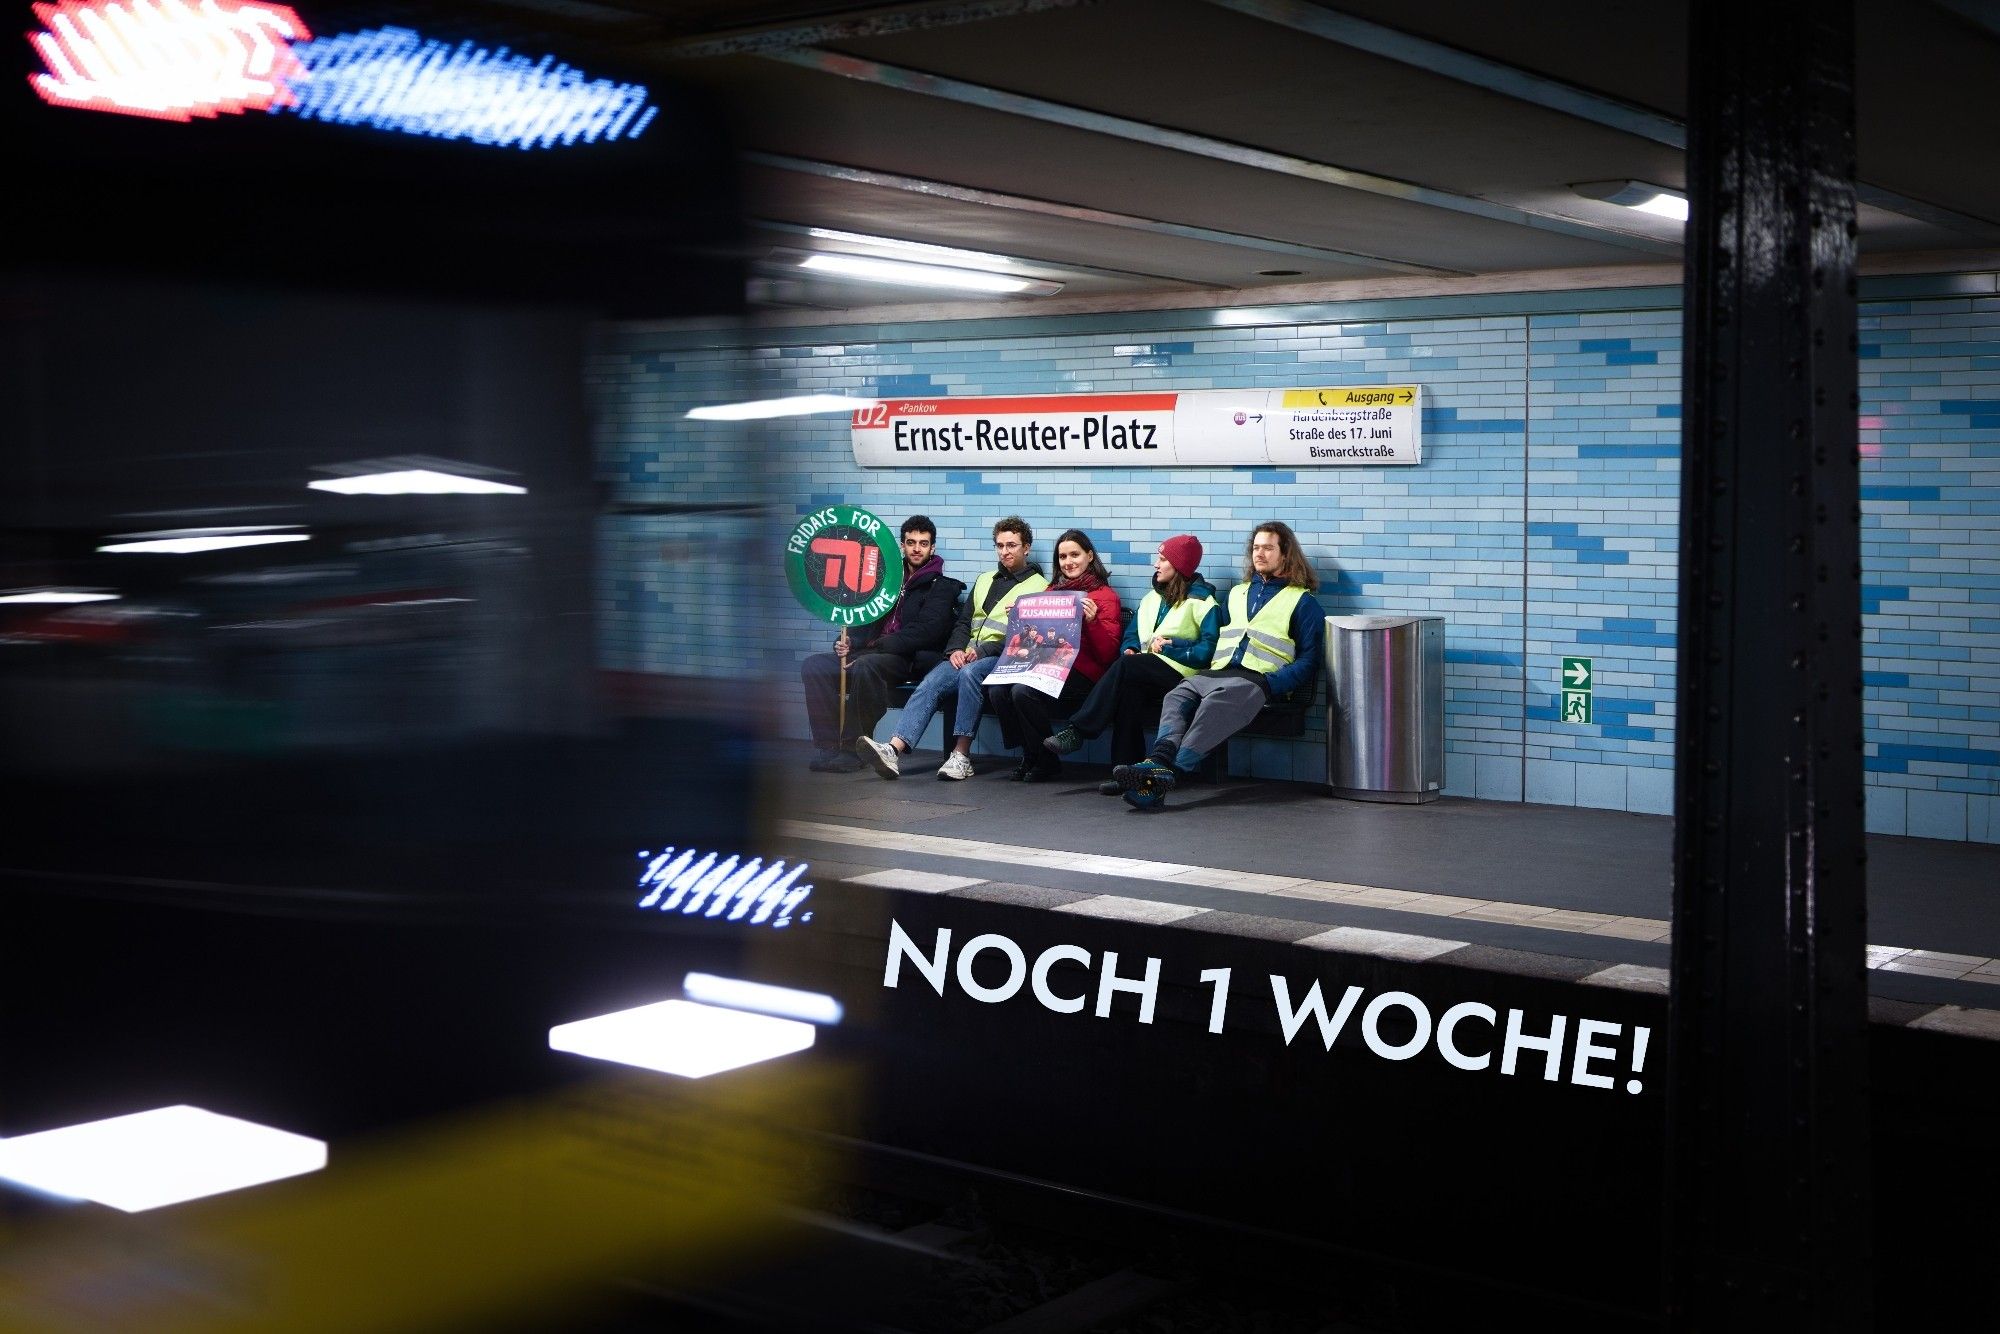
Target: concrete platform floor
[1556,882]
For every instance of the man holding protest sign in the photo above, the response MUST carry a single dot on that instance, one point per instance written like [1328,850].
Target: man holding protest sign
[902,646]
[974,650]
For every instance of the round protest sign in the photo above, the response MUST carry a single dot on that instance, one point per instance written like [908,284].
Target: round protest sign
[845,565]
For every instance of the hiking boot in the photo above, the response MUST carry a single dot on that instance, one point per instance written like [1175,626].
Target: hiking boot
[956,765]
[1064,742]
[1145,785]
[882,757]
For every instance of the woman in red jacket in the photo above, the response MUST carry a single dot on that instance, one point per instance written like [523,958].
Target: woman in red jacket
[1028,715]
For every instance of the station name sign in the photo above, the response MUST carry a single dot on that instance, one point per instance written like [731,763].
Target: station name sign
[1344,426]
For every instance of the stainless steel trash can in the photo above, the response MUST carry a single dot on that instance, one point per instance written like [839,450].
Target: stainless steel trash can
[1385,707]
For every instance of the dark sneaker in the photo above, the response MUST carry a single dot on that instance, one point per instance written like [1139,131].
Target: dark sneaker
[1064,742]
[1109,788]
[843,762]
[822,761]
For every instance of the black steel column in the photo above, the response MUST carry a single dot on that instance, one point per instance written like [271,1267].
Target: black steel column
[1769,1224]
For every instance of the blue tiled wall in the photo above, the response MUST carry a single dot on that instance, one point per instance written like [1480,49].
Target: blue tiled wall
[1930,553]
[1542,523]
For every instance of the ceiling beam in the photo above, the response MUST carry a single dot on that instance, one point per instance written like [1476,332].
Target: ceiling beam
[1542,91]
[1242,155]
[849,25]
[966,194]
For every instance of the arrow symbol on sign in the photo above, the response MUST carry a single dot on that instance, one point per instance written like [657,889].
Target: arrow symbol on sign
[1575,675]
[1256,416]
[1408,394]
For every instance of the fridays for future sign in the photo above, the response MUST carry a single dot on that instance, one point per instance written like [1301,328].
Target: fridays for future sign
[1343,426]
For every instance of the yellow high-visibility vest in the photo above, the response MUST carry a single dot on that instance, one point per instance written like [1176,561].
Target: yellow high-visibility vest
[990,626]
[1269,632]
[1181,621]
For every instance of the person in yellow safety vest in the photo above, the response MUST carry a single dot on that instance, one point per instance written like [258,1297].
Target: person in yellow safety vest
[1272,643]
[1170,639]
[972,652]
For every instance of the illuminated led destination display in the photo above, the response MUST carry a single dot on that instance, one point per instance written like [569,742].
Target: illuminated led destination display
[172,60]
[395,79]
[729,889]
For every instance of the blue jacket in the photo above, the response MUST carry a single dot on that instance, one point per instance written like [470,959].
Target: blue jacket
[1308,632]
[1197,652]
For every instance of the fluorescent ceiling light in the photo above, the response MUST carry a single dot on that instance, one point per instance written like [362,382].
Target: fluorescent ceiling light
[1639,196]
[58,595]
[906,274]
[415,482]
[941,254]
[682,1038]
[803,406]
[150,1159]
[182,546]
[1665,204]
[810,1006]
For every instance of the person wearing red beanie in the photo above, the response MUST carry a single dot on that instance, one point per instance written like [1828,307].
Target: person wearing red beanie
[1172,636]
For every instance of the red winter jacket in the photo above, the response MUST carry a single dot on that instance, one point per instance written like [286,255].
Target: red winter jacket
[1100,637]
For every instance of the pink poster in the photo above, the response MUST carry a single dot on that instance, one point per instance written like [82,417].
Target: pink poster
[1044,633]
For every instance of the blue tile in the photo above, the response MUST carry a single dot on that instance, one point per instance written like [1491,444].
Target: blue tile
[1650,791]
[1936,815]
[1551,783]
[1497,778]
[1601,786]
[1887,810]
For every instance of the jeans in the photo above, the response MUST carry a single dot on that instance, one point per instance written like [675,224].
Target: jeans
[930,694]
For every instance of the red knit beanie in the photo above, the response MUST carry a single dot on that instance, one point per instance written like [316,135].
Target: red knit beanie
[1183,552]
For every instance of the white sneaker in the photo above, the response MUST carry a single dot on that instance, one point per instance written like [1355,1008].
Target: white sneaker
[956,765]
[882,757]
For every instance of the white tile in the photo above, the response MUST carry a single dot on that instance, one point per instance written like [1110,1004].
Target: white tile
[1939,957]
[1919,968]
[1123,909]
[1631,977]
[922,882]
[1962,1022]
[1384,944]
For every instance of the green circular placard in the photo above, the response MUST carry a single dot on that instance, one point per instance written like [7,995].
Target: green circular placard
[845,565]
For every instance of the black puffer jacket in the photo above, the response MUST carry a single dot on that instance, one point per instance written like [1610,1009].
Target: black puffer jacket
[927,605]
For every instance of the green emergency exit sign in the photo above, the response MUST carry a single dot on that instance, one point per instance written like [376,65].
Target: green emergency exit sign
[1579,678]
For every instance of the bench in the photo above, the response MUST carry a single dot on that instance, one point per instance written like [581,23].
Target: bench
[900,695]
[1282,719]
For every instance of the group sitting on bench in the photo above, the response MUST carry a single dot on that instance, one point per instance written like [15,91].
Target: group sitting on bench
[1196,669]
